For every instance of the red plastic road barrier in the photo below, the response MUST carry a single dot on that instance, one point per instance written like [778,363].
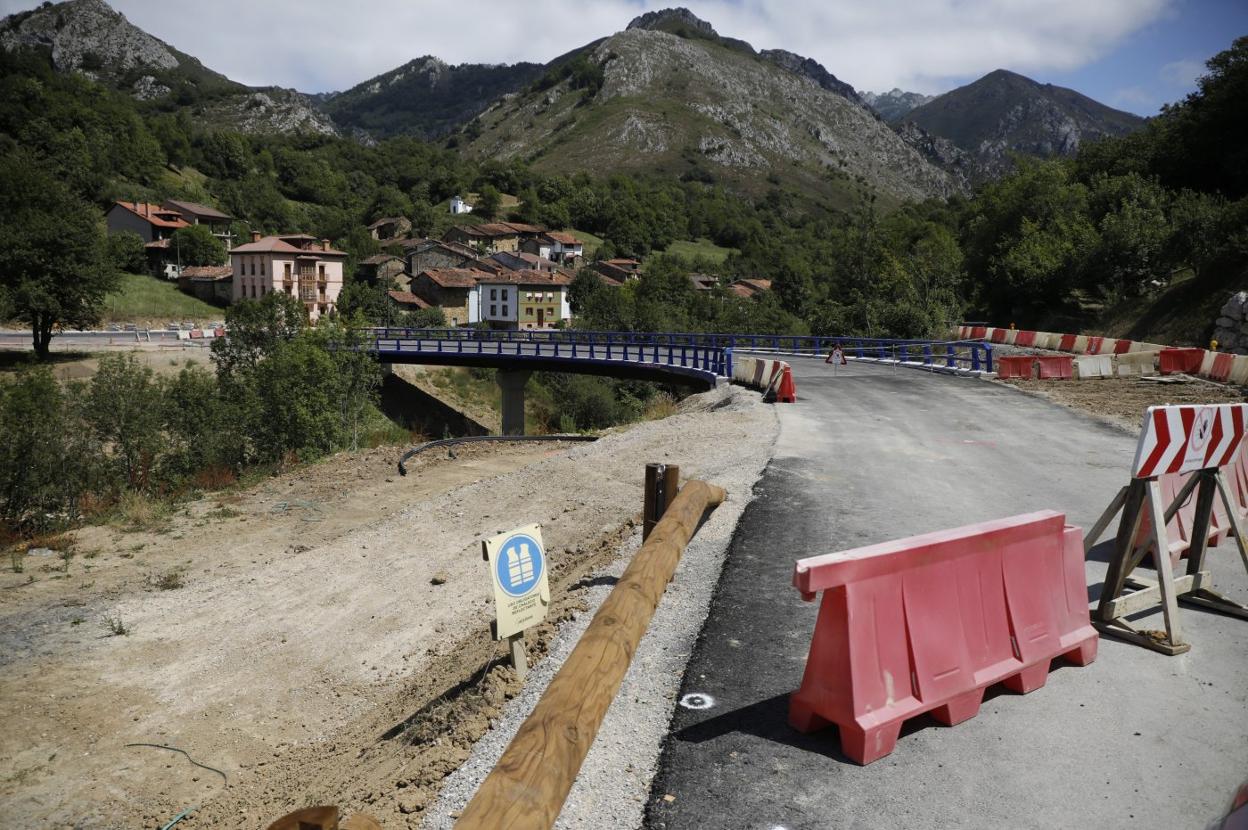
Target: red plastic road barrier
[219,331]
[197,334]
[1122,347]
[1067,344]
[979,332]
[1016,367]
[1025,338]
[925,624]
[1179,528]
[998,335]
[1094,344]
[1181,360]
[788,389]
[1056,367]
[1222,363]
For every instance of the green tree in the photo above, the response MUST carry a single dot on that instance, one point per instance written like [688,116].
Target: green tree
[489,200]
[126,252]
[299,404]
[53,269]
[195,245]
[42,457]
[123,409]
[257,329]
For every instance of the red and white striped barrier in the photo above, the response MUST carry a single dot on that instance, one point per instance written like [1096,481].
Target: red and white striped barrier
[1182,439]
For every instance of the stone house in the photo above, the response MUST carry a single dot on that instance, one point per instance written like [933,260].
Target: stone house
[216,221]
[524,299]
[382,269]
[155,225]
[454,290]
[390,227]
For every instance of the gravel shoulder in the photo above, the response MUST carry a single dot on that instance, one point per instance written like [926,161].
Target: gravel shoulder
[310,655]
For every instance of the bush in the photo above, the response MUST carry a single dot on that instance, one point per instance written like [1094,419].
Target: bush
[126,252]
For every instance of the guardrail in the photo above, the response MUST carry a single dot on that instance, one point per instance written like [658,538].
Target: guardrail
[971,354]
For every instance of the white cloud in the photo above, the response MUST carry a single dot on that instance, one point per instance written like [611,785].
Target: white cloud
[1182,74]
[319,45]
[1134,98]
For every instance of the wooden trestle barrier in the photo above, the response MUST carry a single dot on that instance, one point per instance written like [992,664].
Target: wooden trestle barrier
[530,782]
[1195,587]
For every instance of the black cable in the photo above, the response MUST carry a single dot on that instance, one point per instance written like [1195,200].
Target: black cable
[469,439]
[224,778]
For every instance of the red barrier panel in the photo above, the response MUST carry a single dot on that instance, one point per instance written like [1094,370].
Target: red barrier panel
[1094,344]
[1179,528]
[1222,363]
[197,334]
[1067,344]
[1025,338]
[979,332]
[1015,367]
[998,335]
[925,624]
[1056,367]
[219,331]
[1181,360]
[1122,347]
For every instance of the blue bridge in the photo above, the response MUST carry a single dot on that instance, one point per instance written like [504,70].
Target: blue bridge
[687,358]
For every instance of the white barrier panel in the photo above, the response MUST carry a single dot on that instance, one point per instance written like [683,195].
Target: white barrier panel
[1094,366]
[1137,364]
[757,373]
[1239,370]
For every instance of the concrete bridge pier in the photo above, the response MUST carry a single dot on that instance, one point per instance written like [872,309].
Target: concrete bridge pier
[511,384]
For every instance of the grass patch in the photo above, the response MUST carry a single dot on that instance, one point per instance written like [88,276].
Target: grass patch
[168,581]
[136,512]
[14,361]
[592,243]
[141,296]
[115,626]
[698,249]
[660,406]
[221,513]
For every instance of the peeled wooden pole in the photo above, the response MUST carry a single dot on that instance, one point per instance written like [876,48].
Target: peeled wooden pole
[528,785]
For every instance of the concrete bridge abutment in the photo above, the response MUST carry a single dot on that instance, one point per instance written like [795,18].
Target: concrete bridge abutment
[511,383]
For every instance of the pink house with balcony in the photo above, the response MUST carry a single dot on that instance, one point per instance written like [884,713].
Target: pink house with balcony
[299,265]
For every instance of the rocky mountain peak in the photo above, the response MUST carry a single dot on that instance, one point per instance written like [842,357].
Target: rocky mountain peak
[810,68]
[675,21]
[87,36]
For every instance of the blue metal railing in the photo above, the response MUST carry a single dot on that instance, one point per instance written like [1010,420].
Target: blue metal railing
[709,359]
[975,355]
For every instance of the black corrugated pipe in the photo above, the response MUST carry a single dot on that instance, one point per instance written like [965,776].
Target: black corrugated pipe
[469,439]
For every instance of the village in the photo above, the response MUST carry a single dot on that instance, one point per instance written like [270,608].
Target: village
[503,275]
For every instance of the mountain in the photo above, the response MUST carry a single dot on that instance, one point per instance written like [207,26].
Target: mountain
[1004,112]
[90,37]
[426,97]
[895,103]
[668,94]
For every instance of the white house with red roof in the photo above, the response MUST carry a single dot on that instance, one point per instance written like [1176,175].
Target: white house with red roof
[298,265]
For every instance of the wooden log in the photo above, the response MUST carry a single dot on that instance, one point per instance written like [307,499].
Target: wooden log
[530,782]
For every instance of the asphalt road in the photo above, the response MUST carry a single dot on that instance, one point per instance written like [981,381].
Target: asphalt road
[1136,739]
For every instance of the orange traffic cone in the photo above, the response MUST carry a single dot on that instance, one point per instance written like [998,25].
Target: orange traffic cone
[788,390]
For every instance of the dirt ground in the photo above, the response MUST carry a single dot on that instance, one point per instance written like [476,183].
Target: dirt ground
[1123,401]
[319,637]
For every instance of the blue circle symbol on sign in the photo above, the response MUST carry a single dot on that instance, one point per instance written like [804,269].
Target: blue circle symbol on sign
[519,565]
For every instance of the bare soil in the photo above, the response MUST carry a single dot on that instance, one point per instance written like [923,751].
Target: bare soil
[1123,401]
[328,641]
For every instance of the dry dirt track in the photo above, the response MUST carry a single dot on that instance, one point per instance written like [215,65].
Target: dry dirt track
[305,654]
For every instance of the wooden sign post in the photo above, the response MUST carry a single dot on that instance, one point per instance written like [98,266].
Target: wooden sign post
[1198,441]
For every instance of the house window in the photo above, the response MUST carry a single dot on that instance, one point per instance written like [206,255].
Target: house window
[493,311]
[550,312]
[493,293]
[262,267]
[528,312]
[321,273]
[286,274]
[504,311]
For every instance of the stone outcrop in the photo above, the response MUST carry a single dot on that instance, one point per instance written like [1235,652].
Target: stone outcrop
[1231,327]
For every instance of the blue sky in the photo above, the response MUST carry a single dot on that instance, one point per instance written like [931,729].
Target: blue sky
[1131,54]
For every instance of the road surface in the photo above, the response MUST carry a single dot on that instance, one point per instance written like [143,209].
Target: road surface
[1136,739]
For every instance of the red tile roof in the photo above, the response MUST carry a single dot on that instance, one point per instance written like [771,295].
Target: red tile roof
[522,227]
[529,277]
[196,209]
[281,245]
[564,238]
[407,298]
[158,216]
[455,277]
[377,259]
